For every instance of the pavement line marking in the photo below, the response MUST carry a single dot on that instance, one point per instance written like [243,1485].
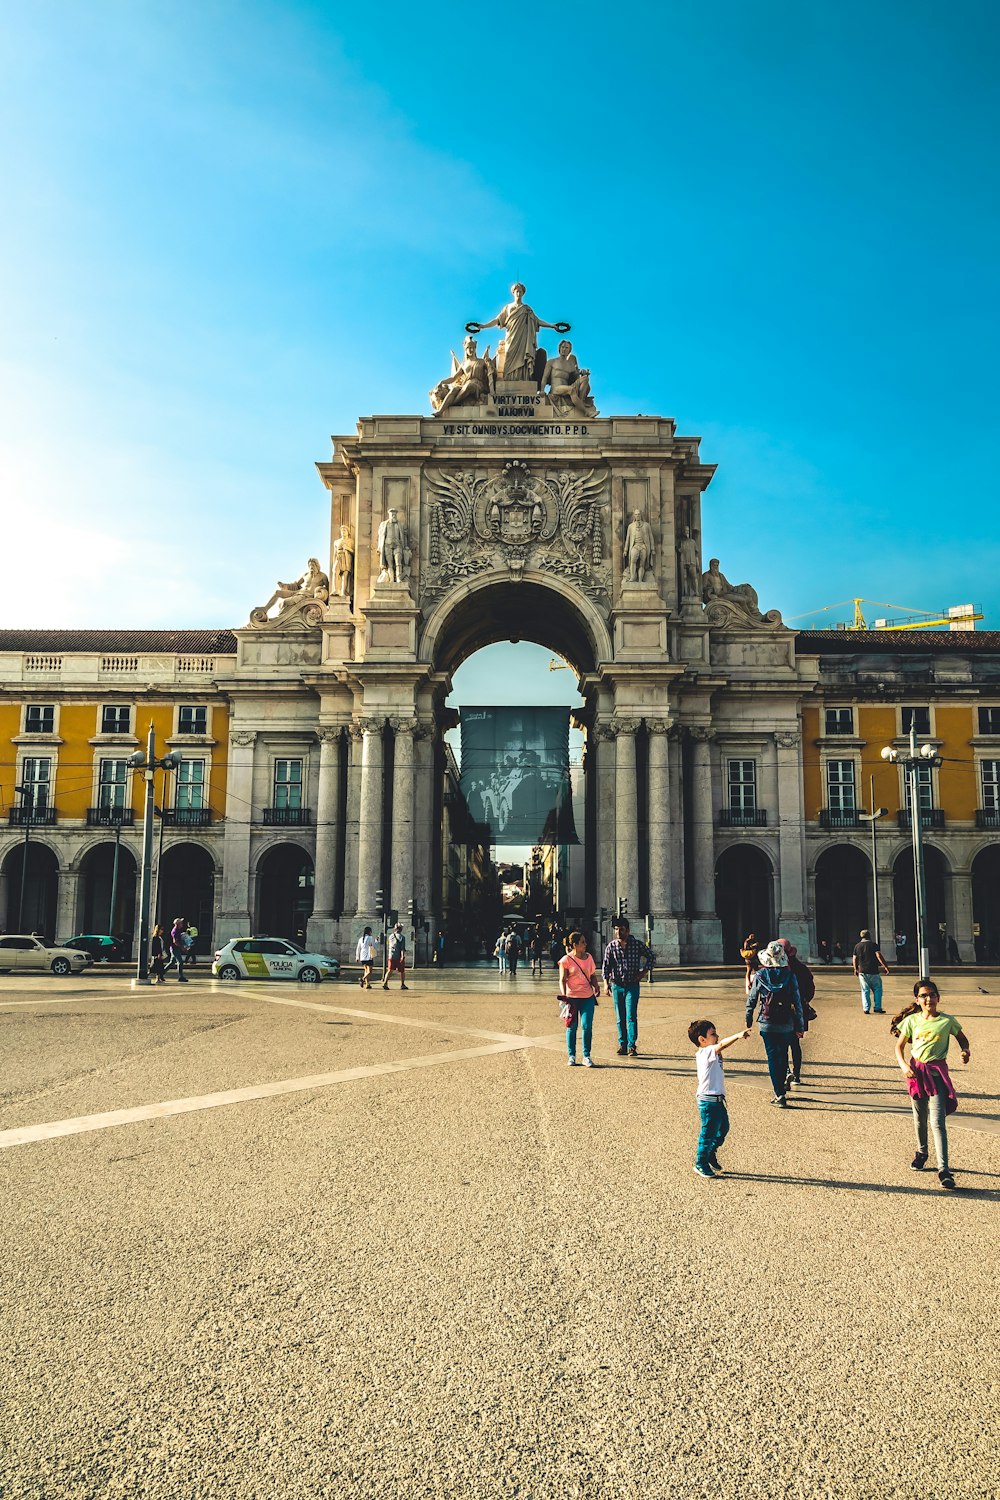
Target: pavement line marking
[83,1124]
[374,1015]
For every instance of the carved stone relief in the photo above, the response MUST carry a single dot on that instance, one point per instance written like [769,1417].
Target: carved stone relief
[302,602]
[728,605]
[484,520]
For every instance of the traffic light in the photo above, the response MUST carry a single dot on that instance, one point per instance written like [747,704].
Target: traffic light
[409,910]
[622,906]
[380,902]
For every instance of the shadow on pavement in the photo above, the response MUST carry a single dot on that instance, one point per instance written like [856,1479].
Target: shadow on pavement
[992,1194]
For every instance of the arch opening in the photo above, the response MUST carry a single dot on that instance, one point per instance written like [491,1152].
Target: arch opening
[527,611]
[285,880]
[904,902]
[744,897]
[106,902]
[185,887]
[843,897]
[40,886]
[986,904]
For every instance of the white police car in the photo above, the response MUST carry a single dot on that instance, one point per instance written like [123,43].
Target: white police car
[272,958]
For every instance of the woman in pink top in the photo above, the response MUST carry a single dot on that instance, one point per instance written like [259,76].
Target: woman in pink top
[578,983]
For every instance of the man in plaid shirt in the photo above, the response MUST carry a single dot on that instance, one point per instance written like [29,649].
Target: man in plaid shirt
[626,961]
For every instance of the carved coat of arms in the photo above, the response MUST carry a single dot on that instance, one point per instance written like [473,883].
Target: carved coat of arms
[486,520]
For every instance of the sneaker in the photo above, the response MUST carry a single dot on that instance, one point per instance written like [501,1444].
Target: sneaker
[919,1161]
[385,986]
[588,1062]
[404,986]
[878,1011]
[946,1180]
[780,1101]
[704,1171]
[571,1062]
[714,1163]
[622,1051]
[632,1052]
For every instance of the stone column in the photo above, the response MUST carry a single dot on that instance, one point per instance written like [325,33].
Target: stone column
[66,919]
[604,773]
[626,816]
[793,922]
[235,917]
[327,823]
[960,916]
[402,815]
[370,816]
[702,821]
[659,817]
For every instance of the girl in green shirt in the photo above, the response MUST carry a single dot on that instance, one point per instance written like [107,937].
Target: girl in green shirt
[932,1095]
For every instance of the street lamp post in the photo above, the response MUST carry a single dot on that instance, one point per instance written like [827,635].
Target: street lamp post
[146,761]
[911,763]
[872,818]
[26,810]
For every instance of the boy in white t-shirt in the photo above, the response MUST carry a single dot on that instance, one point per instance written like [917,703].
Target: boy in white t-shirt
[711,1093]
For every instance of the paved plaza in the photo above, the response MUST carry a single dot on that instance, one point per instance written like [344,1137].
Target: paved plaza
[266,1242]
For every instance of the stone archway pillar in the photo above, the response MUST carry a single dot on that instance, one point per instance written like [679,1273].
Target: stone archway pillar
[66,904]
[402,890]
[705,927]
[960,919]
[666,942]
[322,928]
[370,817]
[626,816]
[792,920]
[235,919]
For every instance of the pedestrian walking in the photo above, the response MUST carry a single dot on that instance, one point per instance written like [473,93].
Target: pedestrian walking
[365,955]
[535,952]
[807,992]
[774,998]
[711,1093]
[439,949]
[179,944]
[396,954]
[512,951]
[580,986]
[158,954]
[626,963]
[867,962]
[500,950]
[748,953]
[929,1031]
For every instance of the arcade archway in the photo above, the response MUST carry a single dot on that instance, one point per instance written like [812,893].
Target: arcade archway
[843,896]
[100,886]
[904,901]
[744,898]
[40,887]
[986,904]
[185,887]
[285,880]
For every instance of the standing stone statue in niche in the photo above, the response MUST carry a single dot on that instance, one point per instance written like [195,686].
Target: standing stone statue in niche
[343,563]
[569,386]
[393,550]
[471,381]
[639,550]
[688,552]
[518,354]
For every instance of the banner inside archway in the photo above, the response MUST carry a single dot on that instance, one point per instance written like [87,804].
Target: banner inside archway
[515,773]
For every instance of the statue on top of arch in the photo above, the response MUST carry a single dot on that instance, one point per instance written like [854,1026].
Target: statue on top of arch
[518,360]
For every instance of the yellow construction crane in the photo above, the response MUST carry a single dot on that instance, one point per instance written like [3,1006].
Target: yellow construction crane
[960,617]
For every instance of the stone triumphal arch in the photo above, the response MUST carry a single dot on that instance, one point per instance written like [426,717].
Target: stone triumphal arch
[514,510]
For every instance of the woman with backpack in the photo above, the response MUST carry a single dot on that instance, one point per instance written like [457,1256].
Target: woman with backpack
[774,999]
[807,992]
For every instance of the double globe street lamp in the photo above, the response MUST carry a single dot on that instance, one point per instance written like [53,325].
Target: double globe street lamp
[146,762]
[912,762]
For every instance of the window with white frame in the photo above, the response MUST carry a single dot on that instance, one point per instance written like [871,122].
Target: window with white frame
[840,721]
[39,718]
[192,718]
[925,789]
[287,783]
[112,788]
[840,786]
[190,791]
[742,786]
[918,719]
[989,771]
[36,782]
[116,718]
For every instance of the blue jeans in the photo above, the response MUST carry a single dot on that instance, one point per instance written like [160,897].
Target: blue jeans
[714,1128]
[871,993]
[502,959]
[626,998]
[179,961]
[776,1045]
[585,1013]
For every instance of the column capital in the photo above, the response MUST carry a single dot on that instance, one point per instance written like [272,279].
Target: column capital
[366,725]
[788,739]
[603,732]
[330,734]
[243,738]
[660,726]
[624,726]
[701,734]
[406,727]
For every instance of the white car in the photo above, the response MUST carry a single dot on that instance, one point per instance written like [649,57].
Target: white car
[272,958]
[27,954]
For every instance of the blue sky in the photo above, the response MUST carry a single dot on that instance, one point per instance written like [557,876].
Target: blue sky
[229,230]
